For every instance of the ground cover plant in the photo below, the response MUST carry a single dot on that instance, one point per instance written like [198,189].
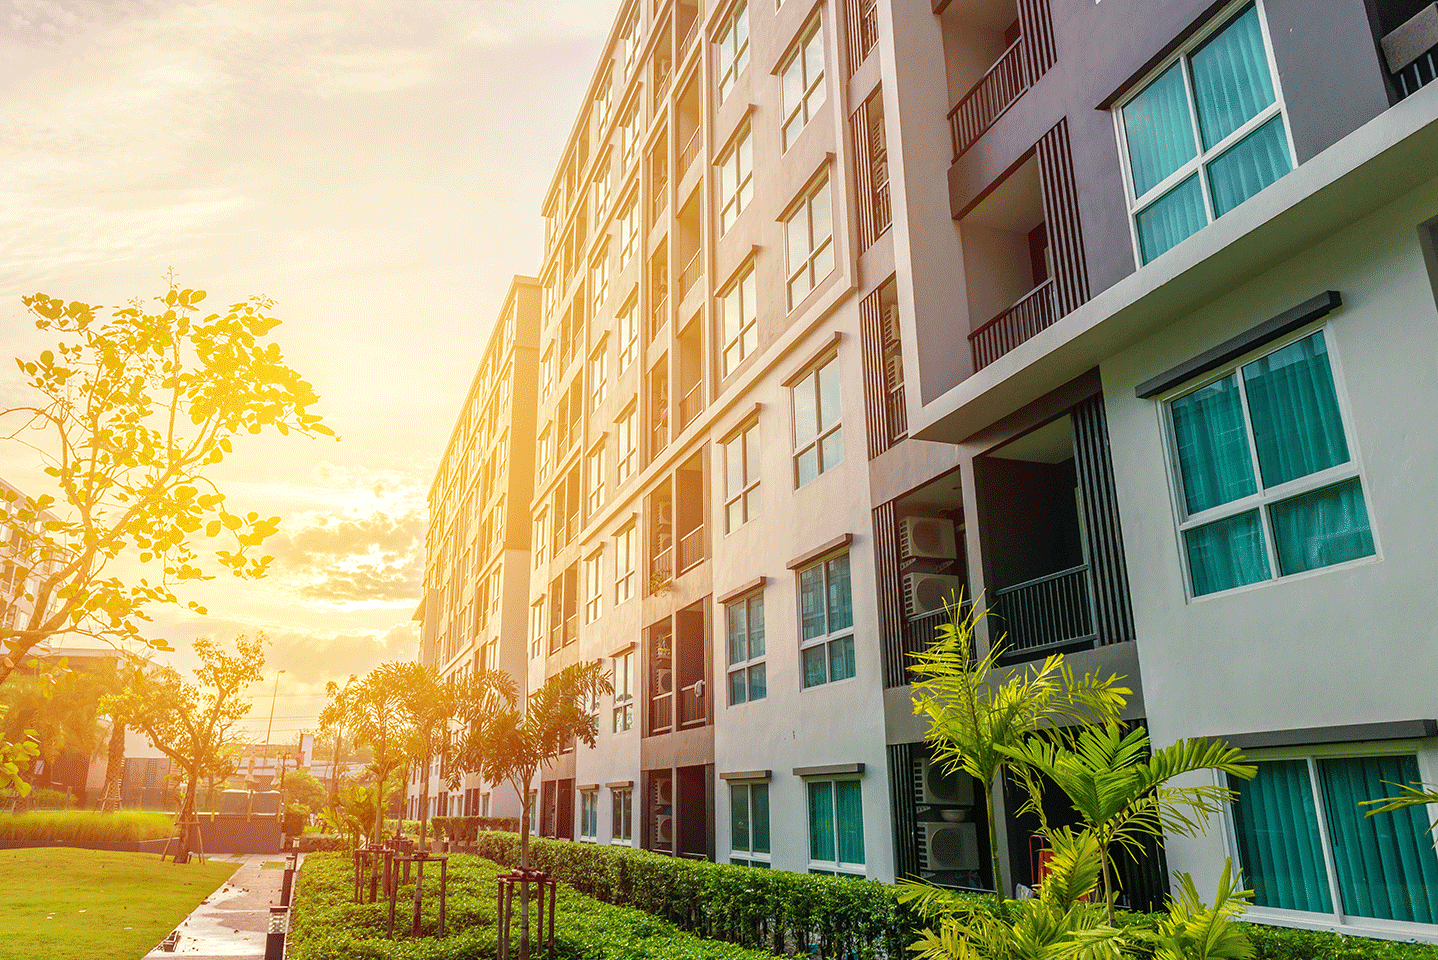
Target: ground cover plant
[327,925]
[96,904]
[84,826]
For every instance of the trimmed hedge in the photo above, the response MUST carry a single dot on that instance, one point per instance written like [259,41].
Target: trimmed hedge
[84,826]
[761,909]
[466,829]
[317,842]
[326,925]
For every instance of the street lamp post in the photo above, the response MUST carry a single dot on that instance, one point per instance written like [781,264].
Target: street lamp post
[270,726]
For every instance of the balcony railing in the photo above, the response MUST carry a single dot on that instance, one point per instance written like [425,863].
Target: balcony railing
[661,568]
[691,405]
[659,436]
[919,633]
[660,315]
[663,72]
[1035,312]
[897,414]
[661,713]
[883,214]
[692,33]
[1412,52]
[692,705]
[995,92]
[660,201]
[1047,612]
[691,548]
[690,276]
[690,153]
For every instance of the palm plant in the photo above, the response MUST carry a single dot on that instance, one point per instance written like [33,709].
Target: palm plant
[1409,795]
[1119,785]
[978,713]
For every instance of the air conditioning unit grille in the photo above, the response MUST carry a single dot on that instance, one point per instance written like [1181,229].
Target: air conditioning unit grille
[926,593]
[927,537]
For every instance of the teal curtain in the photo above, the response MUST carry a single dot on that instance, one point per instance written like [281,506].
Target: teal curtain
[739,817]
[841,607]
[1227,553]
[1159,131]
[850,807]
[759,816]
[821,820]
[1231,82]
[1385,864]
[1278,844]
[1213,456]
[814,673]
[1172,218]
[841,658]
[736,687]
[1291,400]
[1248,166]
[1321,528]
[811,601]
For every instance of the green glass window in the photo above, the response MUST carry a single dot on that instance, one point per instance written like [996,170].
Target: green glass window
[1276,824]
[826,621]
[1213,112]
[1303,508]
[749,819]
[821,821]
[745,626]
[836,823]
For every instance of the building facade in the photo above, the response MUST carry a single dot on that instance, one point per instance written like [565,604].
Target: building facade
[472,617]
[1108,312]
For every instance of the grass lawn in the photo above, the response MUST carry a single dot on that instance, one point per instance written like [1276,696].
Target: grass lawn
[69,904]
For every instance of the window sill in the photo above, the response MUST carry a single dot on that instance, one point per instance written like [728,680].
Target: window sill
[1347,926]
[1290,578]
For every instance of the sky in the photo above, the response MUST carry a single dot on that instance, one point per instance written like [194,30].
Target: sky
[377,169]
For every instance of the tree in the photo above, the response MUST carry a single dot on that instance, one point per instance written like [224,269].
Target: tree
[192,723]
[374,711]
[56,705]
[977,711]
[114,704]
[303,788]
[332,721]
[510,745]
[132,410]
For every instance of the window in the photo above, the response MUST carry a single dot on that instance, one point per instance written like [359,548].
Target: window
[733,52]
[625,545]
[627,329]
[630,41]
[803,83]
[541,538]
[589,815]
[836,826]
[741,477]
[604,102]
[826,621]
[536,626]
[629,137]
[745,629]
[1265,476]
[594,466]
[809,240]
[627,440]
[739,319]
[624,691]
[736,179]
[593,588]
[749,824]
[1205,135]
[546,374]
[1305,844]
[818,423]
[603,184]
[534,812]
[599,281]
[598,375]
[622,799]
[628,228]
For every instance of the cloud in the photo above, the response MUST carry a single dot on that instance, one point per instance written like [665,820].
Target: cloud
[316,657]
[373,558]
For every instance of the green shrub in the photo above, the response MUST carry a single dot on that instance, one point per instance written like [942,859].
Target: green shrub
[1282,943]
[466,829]
[45,798]
[326,925]
[316,842]
[82,826]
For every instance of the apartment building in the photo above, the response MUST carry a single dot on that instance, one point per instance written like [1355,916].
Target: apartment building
[1190,407]
[477,547]
[20,571]
[849,305]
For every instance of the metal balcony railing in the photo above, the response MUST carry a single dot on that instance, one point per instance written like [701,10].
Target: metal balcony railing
[660,315]
[883,213]
[692,33]
[1046,612]
[690,275]
[1412,52]
[1035,312]
[987,100]
[691,405]
[896,414]
[691,548]
[659,436]
[690,153]
[692,702]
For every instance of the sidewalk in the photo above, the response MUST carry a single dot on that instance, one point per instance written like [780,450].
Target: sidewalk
[233,921]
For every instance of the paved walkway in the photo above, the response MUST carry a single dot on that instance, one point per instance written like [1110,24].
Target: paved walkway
[233,921]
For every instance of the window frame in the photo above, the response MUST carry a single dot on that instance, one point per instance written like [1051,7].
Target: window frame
[594,586]
[835,867]
[599,280]
[624,701]
[627,441]
[750,857]
[803,206]
[830,635]
[823,432]
[1263,499]
[747,665]
[537,626]
[588,810]
[626,550]
[731,206]
[749,485]
[748,318]
[1203,158]
[1348,924]
[813,32]
[728,73]
[625,837]
[598,373]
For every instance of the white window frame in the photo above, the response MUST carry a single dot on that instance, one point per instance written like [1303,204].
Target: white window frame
[604,102]
[812,90]
[624,686]
[1199,163]
[1350,925]
[629,41]
[603,186]
[1264,498]
[537,627]
[627,439]
[598,374]
[588,809]
[748,484]
[739,154]
[750,856]
[837,867]
[629,137]
[807,271]
[628,226]
[732,55]
[626,562]
[743,666]
[622,811]
[541,536]
[594,479]
[599,280]
[743,290]
[824,430]
[830,635]
[593,586]
[627,330]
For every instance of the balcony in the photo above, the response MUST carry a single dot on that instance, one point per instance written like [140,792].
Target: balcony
[1411,51]
[693,270]
[692,705]
[661,569]
[1048,612]
[691,405]
[1034,312]
[690,152]
[691,549]
[661,712]
[896,414]
[986,101]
